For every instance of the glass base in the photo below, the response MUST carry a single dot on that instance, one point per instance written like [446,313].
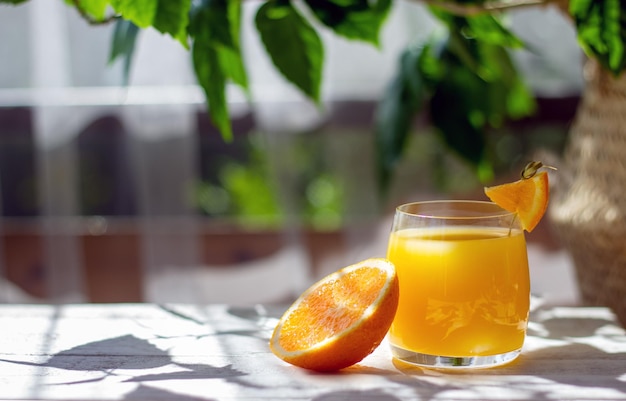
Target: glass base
[452,362]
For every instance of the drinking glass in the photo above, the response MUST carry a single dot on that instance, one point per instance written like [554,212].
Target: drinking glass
[464,284]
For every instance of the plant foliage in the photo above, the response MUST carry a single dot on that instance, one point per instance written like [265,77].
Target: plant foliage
[601,27]
[293,44]
[211,29]
[464,82]
[469,83]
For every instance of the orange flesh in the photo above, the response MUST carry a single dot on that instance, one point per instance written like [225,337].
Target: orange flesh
[332,308]
[526,197]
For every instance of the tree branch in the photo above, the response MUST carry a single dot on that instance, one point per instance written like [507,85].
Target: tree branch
[90,20]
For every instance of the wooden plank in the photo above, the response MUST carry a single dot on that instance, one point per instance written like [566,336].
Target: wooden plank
[217,352]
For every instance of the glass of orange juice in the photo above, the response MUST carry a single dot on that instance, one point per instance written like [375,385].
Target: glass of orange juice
[464,284]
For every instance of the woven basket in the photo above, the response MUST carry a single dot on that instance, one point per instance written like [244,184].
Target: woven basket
[588,208]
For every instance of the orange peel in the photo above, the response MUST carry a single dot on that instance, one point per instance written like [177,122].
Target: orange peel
[527,197]
[340,319]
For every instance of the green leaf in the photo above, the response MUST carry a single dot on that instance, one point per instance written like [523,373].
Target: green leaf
[13,2]
[468,36]
[506,95]
[488,28]
[353,19]
[213,81]
[123,44]
[518,100]
[214,19]
[293,45]
[472,85]
[172,17]
[395,113]
[456,111]
[468,101]
[601,29]
[461,126]
[94,8]
[217,22]
[214,24]
[580,8]
[231,63]
[166,16]
[140,12]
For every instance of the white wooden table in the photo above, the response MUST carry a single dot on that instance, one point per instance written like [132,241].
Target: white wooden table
[216,352]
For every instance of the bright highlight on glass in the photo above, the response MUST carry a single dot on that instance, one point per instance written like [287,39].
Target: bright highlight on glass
[464,284]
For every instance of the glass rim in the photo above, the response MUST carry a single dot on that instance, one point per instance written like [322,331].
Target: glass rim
[497,212]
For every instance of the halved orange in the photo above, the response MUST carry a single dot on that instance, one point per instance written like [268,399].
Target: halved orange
[528,197]
[340,319]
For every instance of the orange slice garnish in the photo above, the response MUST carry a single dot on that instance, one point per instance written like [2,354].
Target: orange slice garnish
[340,319]
[528,197]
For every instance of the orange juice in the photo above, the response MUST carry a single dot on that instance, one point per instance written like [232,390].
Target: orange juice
[464,291]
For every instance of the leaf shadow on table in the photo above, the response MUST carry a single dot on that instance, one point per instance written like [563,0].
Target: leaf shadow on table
[541,374]
[597,344]
[262,318]
[257,314]
[123,352]
[344,395]
[119,355]
[154,394]
[190,372]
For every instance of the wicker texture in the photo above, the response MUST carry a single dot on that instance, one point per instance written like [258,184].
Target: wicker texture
[589,206]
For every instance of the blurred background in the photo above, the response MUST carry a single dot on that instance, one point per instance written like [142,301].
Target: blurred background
[114,193]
